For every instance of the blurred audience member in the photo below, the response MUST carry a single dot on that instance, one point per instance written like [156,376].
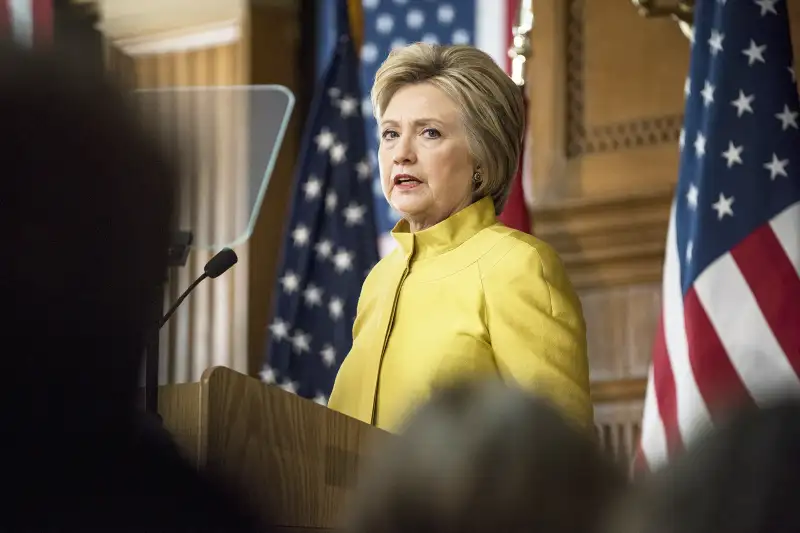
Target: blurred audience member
[742,478]
[486,458]
[85,207]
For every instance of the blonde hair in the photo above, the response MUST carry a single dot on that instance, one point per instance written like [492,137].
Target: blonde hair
[491,104]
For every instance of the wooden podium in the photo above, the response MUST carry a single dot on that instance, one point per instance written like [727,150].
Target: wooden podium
[293,459]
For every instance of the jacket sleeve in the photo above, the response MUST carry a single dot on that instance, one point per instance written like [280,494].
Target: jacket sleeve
[537,329]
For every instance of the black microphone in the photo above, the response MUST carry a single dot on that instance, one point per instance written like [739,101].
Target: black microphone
[216,266]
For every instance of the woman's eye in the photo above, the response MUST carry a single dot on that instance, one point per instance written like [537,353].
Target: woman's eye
[388,134]
[431,133]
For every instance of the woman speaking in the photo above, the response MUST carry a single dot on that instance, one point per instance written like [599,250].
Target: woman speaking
[462,297]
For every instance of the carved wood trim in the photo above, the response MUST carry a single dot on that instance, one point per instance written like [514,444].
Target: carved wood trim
[606,242]
[632,134]
[584,139]
[576,129]
[623,390]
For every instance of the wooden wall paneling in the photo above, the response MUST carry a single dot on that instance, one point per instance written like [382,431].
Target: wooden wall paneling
[273,27]
[626,99]
[606,96]
[621,325]
[609,241]
[606,93]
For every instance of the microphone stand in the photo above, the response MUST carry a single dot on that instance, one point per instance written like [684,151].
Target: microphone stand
[177,256]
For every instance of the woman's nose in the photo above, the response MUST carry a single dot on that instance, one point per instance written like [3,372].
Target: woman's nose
[403,151]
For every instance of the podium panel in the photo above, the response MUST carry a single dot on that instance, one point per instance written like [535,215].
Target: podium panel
[295,461]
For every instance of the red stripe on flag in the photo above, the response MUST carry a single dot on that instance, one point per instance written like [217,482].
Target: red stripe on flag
[717,380]
[42,22]
[772,278]
[5,20]
[666,396]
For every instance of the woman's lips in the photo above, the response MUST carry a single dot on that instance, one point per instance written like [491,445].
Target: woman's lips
[406,182]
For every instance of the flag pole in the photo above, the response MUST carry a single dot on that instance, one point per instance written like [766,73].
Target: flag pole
[520,49]
[516,213]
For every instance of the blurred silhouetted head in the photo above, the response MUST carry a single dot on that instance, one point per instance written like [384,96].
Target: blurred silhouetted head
[485,458]
[743,478]
[85,207]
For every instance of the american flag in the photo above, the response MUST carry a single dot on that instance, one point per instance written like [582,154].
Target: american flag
[27,22]
[730,329]
[485,24]
[331,241]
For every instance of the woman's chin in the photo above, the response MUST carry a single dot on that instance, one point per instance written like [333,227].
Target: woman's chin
[408,204]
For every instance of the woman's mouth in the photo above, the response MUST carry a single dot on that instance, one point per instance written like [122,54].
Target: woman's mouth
[405,182]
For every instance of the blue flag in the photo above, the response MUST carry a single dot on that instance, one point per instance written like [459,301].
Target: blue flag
[331,239]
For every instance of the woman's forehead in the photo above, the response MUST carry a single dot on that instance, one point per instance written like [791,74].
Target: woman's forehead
[416,102]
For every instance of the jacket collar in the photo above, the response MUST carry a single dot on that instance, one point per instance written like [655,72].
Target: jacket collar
[447,234]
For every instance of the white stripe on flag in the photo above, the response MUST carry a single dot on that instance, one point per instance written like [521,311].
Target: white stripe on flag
[743,331]
[21,17]
[654,439]
[490,29]
[786,226]
[692,412]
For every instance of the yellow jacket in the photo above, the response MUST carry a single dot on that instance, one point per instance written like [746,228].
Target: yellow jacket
[466,298]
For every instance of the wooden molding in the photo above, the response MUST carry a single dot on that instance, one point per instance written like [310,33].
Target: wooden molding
[138,21]
[623,390]
[607,242]
[198,38]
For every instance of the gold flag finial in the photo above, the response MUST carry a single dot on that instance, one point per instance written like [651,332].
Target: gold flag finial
[682,13]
